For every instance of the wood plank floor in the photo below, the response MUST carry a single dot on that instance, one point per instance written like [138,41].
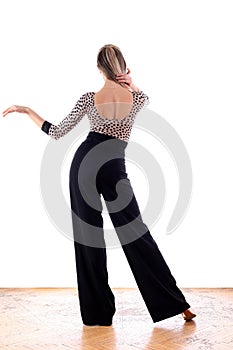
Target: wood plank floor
[41,319]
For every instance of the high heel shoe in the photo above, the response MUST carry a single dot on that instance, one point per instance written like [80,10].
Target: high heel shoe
[188,315]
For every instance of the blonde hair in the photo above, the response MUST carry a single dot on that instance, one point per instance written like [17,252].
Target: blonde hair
[111,61]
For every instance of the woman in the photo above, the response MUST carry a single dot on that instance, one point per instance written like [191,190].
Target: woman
[111,112]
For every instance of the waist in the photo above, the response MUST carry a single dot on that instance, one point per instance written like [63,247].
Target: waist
[115,148]
[94,135]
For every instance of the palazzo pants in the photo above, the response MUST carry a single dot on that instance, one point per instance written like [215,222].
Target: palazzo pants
[88,180]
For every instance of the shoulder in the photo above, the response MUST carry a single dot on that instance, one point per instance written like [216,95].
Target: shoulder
[140,96]
[141,100]
[86,98]
[87,95]
[138,93]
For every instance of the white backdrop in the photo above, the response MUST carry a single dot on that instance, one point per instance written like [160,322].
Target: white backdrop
[180,54]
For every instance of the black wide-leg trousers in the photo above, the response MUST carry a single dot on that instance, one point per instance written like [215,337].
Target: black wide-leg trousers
[156,284]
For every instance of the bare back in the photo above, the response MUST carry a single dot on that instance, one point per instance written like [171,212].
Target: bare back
[113,102]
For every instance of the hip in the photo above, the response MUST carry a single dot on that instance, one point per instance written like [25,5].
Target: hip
[100,151]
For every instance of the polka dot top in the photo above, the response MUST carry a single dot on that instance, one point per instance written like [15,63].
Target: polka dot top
[119,128]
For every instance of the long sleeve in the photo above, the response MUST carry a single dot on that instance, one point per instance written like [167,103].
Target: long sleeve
[142,100]
[69,122]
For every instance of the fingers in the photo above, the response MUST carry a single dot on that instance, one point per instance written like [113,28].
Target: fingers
[124,77]
[121,80]
[8,110]
[12,109]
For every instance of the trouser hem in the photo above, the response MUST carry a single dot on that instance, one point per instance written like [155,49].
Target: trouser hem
[174,312]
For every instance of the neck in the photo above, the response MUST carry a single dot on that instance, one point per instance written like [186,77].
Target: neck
[110,84]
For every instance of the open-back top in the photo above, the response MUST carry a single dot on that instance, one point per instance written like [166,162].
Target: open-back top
[113,118]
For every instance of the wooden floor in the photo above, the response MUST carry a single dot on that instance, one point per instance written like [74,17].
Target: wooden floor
[50,319]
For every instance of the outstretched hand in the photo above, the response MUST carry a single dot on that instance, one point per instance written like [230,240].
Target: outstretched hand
[15,108]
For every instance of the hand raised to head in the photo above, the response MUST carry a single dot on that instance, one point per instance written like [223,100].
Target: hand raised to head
[124,78]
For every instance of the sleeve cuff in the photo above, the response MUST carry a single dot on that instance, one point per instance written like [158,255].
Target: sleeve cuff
[46,126]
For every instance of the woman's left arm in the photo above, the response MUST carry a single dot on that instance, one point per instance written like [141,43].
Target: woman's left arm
[142,98]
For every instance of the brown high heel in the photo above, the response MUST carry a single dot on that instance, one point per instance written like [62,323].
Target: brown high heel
[188,315]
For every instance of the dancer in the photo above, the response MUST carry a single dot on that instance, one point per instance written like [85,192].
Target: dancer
[111,112]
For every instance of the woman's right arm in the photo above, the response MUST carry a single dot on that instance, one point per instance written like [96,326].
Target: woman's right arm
[26,110]
[55,131]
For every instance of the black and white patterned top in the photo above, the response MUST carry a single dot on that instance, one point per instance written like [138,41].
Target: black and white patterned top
[120,128]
